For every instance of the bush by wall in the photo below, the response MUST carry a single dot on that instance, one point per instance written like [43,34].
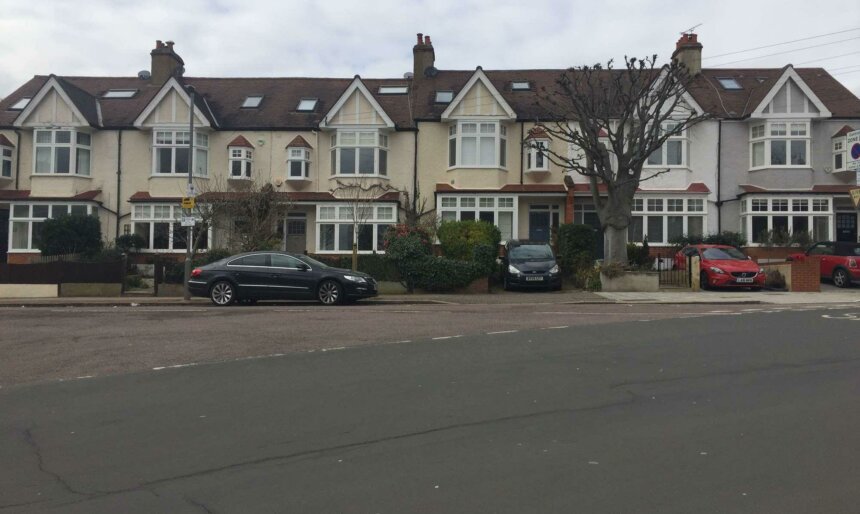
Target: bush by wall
[576,245]
[459,238]
[409,252]
[639,255]
[71,234]
[723,238]
[128,243]
[375,265]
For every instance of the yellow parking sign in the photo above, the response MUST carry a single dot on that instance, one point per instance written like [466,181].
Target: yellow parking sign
[188,203]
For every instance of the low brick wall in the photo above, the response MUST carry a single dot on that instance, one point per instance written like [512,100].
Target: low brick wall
[478,286]
[773,253]
[22,258]
[90,289]
[630,281]
[806,275]
[28,290]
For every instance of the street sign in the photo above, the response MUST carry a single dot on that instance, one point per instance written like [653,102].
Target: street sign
[852,143]
[855,197]
[187,221]
[188,202]
[191,190]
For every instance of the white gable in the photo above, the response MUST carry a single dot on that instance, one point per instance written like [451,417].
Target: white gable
[790,97]
[170,107]
[356,106]
[51,107]
[479,98]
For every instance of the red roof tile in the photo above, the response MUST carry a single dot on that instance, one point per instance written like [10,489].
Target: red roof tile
[821,188]
[507,188]
[291,196]
[240,141]
[693,188]
[537,133]
[843,131]
[5,142]
[299,142]
[24,194]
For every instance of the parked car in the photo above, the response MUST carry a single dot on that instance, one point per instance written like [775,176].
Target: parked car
[838,261]
[528,264]
[722,266]
[271,275]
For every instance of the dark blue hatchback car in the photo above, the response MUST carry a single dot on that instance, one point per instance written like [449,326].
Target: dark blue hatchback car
[530,264]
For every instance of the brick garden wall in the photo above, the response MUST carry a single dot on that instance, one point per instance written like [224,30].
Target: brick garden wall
[806,275]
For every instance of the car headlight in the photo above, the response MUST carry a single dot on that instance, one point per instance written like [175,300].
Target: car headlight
[554,270]
[354,278]
[513,270]
[717,270]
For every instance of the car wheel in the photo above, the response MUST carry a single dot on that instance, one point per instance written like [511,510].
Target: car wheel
[703,280]
[840,278]
[329,293]
[222,293]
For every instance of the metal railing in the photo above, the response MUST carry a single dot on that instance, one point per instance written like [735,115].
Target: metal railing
[674,271]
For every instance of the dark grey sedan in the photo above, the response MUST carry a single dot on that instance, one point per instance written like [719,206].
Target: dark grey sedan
[271,275]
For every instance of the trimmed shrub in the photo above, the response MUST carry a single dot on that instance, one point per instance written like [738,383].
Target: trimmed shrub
[639,255]
[724,238]
[576,245]
[443,274]
[484,258]
[459,238]
[374,264]
[71,234]
[128,243]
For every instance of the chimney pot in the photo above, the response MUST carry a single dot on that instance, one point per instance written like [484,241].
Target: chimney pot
[427,40]
[688,51]
[169,44]
[420,38]
[158,43]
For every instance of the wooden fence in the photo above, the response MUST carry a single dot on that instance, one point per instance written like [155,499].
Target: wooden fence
[63,272]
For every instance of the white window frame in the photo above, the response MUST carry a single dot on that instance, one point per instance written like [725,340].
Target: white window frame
[451,208]
[21,104]
[537,151]
[456,135]
[31,219]
[245,157]
[145,213]
[339,215]
[76,150]
[766,206]
[201,148]
[664,150]
[664,207]
[341,140]
[6,168]
[120,94]
[840,149]
[302,156]
[771,133]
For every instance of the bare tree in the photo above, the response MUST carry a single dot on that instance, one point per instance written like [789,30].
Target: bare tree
[249,218]
[359,195]
[613,120]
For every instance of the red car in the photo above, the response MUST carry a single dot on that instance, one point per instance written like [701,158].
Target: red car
[722,266]
[839,261]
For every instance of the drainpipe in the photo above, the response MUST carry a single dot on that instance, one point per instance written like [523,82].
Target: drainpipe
[522,149]
[17,156]
[719,203]
[118,178]
[415,170]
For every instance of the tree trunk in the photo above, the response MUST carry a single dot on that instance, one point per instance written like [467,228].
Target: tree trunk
[616,245]
[354,256]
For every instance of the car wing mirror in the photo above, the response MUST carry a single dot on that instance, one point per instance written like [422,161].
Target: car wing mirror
[303,267]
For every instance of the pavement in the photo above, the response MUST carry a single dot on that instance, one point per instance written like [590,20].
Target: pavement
[592,408]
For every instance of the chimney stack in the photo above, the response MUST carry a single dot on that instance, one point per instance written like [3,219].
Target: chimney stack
[423,57]
[688,51]
[165,63]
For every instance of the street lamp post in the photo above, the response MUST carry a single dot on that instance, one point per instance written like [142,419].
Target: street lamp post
[188,212]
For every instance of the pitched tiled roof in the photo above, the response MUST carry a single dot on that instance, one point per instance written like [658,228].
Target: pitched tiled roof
[693,188]
[843,131]
[240,141]
[291,196]
[821,188]
[508,188]
[4,141]
[299,142]
[24,194]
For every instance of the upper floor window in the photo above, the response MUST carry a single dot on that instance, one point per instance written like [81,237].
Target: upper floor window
[63,152]
[779,144]
[839,154]
[20,104]
[298,163]
[363,152]
[674,151]
[252,102]
[170,152]
[536,158]
[729,83]
[5,162]
[241,162]
[473,144]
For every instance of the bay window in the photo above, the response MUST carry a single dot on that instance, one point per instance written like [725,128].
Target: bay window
[673,153]
[339,225]
[664,220]
[298,163]
[501,211]
[240,162]
[536,158]
[362,152]
[62,152]
[763,216]
[779,144]
[474,144]
[160,228]
[25,221]
[170,152]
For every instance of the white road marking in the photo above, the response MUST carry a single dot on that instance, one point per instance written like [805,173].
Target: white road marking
[446,337]
[502,332]
[555,328]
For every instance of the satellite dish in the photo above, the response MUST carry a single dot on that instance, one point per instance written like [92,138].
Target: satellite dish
[431,71]
[144,75]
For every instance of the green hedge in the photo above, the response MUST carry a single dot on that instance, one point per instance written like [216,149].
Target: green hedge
[576,244]
[71,234]
[375,265]
[723,238]
[458,239]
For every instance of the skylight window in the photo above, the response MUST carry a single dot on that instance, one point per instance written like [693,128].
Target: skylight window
[521,85]
[393,90]
[307,104]
[119,93]
[444,97]
[20,104]
[252,102]
[729,83]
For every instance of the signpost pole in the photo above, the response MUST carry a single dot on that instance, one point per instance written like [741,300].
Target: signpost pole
[189,212]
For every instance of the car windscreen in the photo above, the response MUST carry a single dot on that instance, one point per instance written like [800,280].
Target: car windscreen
[313,262]
[723,254]
[530,253]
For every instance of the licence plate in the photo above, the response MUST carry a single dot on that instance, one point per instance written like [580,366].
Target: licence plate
[534,279]
[745,281]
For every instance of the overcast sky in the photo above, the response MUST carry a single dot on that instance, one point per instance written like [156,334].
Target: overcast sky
[374,38]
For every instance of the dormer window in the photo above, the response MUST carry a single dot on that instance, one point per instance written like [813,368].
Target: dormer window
[5,162]
[298,163]
[119,93]
[393,90]
[307,105]
[444,97]
[536,158]
[20,104]
[729,83]
[241,162]
[521,85]
[839,154]
[252,102]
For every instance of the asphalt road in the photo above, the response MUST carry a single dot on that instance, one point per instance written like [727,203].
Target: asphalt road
[712,410]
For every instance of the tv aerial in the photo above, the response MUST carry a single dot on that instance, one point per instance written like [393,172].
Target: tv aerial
[691,29]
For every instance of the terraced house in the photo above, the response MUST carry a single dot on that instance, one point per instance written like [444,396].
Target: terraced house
[771,157]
